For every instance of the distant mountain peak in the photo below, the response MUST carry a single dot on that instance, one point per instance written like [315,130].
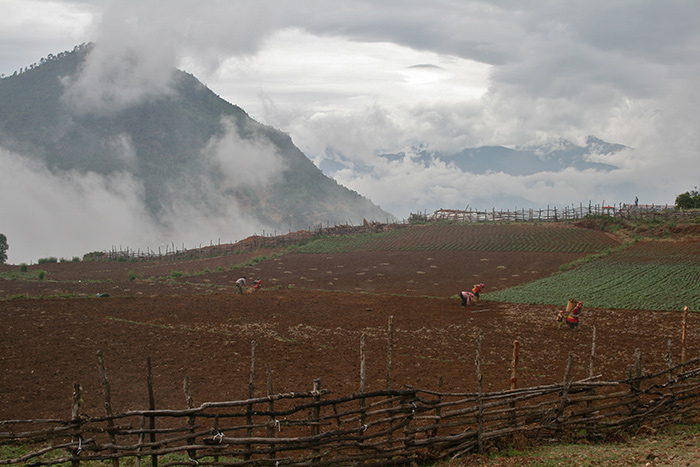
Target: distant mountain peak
[185,147]
[553,155]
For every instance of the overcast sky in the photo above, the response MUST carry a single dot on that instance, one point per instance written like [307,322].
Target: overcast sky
[349,80]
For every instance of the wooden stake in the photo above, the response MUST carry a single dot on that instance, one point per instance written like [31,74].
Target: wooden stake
[251,393]
[669,361]
[271,406]
[362,379]
[151,406]
[480,400]
[389,351]
[591,363]
[75,417]
[316,415]
[514,365]
[685,325]
[190,419]
[108,401]
[514,378]
[565,386]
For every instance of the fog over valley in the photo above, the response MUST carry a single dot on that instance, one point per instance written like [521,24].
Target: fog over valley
[195,122]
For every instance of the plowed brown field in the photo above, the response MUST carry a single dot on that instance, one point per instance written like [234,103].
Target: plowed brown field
[306,321]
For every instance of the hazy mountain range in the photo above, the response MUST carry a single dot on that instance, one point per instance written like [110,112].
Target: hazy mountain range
[184,164]
[185,147]
[554,157]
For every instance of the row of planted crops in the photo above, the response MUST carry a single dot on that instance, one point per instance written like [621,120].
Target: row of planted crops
[562,238]
[649,275]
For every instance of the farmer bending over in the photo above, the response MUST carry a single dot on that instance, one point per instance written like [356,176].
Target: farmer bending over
[240,283]
[466,297]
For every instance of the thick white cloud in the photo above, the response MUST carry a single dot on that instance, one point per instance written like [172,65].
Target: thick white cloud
[251,161]
[67,214]
[351,80]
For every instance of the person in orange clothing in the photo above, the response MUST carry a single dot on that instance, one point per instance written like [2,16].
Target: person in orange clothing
[476,290]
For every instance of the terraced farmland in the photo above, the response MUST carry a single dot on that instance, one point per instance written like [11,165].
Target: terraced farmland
[557,238]
[649,275]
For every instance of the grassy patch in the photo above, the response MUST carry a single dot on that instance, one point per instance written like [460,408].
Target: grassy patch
[674,445]
[24,273]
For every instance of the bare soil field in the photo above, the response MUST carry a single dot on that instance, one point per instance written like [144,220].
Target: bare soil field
[306,323]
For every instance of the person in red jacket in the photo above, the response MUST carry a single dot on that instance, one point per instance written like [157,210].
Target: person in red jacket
[572,319]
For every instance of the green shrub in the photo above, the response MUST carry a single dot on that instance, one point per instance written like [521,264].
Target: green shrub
[176,274]
[95,256]
[23,267]
[50,259]
[40,275]
[131,275]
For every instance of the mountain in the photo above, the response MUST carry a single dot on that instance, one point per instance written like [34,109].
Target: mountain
[554,156]
[186,146]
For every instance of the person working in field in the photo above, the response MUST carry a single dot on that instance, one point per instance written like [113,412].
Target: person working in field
[466,298]
[572,313]
[476,290]
[471,297]
[241,284]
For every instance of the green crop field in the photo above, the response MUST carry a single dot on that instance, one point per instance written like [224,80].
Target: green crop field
[648,275]
[560,238]
[652,275]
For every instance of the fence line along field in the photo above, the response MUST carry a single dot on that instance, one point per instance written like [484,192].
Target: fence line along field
[189,320]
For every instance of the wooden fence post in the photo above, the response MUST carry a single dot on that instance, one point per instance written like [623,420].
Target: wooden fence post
[635,375]
[565,387]
[480,400]
[151,407]
[389,351]
[316,415]
[514,365]
[75,418]
[669,360]
[438,408]
[108,402]
[592,360]
[685,325]
[362,379]
[190,418]
[514,379]
[271,407]
[251,394]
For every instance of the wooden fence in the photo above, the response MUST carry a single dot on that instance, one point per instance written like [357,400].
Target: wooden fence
[252,243]
[568,213]
[369,428]
[554,214]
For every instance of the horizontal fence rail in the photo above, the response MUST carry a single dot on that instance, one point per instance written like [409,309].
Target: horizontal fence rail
[383,427]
